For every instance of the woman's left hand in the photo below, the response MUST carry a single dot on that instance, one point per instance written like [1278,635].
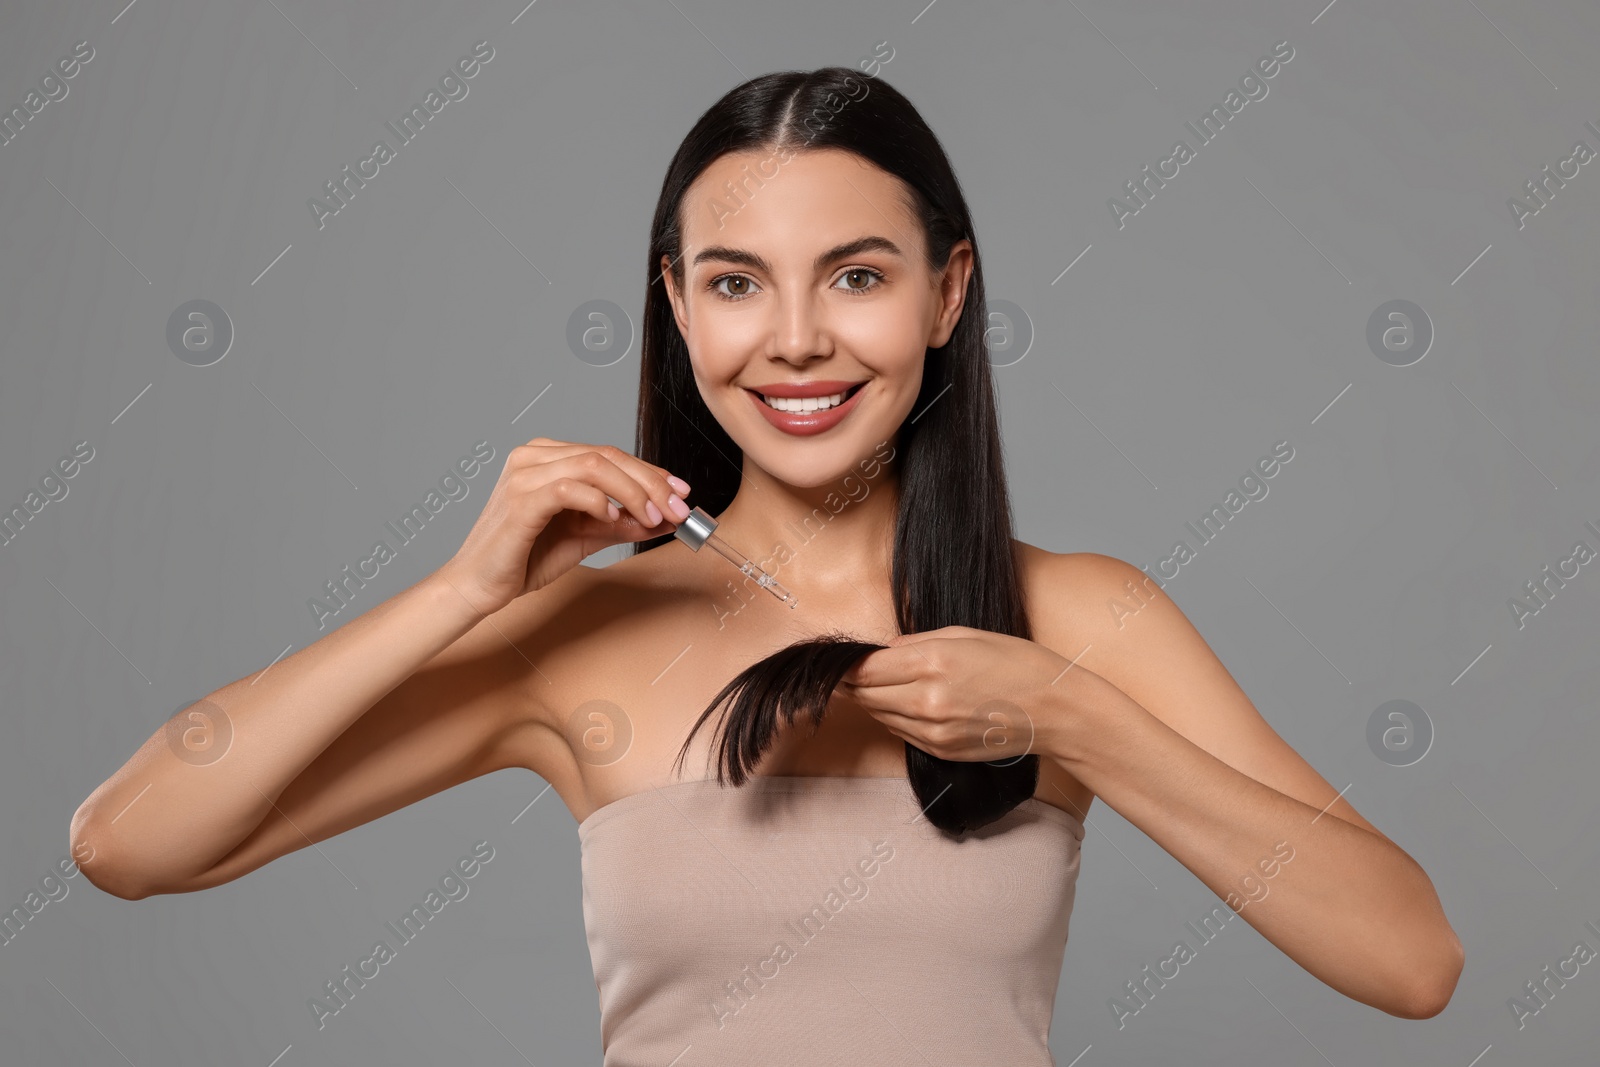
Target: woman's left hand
[960,693]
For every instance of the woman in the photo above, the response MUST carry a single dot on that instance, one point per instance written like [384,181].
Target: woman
[810,241]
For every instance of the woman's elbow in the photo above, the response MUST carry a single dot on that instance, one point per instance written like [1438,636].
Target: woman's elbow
[1432,987]
[96,863]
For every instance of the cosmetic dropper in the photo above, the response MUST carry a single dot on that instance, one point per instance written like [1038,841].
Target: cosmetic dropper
[699,529]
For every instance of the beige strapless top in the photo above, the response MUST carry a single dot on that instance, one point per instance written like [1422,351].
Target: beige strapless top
[823,920]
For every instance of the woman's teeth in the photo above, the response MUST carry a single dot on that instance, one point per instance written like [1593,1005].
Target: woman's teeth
[803,403]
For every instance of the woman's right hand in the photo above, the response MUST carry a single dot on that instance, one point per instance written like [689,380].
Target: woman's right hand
[549,510]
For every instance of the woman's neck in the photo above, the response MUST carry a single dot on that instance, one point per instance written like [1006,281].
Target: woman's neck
[825,539]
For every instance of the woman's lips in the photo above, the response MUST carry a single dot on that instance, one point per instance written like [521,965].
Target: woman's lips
[805,423]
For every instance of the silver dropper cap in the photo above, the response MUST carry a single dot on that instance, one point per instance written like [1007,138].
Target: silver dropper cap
[695,529]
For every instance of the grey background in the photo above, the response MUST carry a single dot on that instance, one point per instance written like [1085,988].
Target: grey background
[1229,314]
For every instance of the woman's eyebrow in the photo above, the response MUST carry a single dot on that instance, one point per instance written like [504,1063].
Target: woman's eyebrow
[870,243]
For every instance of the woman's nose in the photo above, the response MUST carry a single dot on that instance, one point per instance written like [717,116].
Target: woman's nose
[798,328]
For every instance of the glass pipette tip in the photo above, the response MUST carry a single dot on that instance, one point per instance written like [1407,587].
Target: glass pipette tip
[700,529]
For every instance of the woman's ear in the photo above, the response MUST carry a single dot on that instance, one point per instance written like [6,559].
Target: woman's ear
[680,311]
[952,293]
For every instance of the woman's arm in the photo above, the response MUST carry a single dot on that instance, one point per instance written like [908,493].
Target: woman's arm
[1183,754]
[426,690]
[416,695]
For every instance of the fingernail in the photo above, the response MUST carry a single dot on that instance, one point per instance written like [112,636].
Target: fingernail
[611,509]
[654,512]
[679,509]
[678,483]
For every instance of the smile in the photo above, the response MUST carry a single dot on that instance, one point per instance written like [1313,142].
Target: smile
[803,416]
[807,403]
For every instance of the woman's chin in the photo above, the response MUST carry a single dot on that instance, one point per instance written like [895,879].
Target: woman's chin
[812,474]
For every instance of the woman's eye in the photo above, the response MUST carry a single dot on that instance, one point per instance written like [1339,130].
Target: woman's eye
[739,286]
[861,274]
[732,279]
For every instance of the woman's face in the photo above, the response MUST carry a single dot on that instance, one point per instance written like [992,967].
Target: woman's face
[815,273]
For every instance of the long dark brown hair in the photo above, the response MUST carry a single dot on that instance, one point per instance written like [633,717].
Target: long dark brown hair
[954,559]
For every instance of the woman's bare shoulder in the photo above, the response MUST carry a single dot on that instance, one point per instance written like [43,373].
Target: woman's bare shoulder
[581,603]
[1066,594]
[1079,590]
[1110,616]
[1087,606]
[575,628]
